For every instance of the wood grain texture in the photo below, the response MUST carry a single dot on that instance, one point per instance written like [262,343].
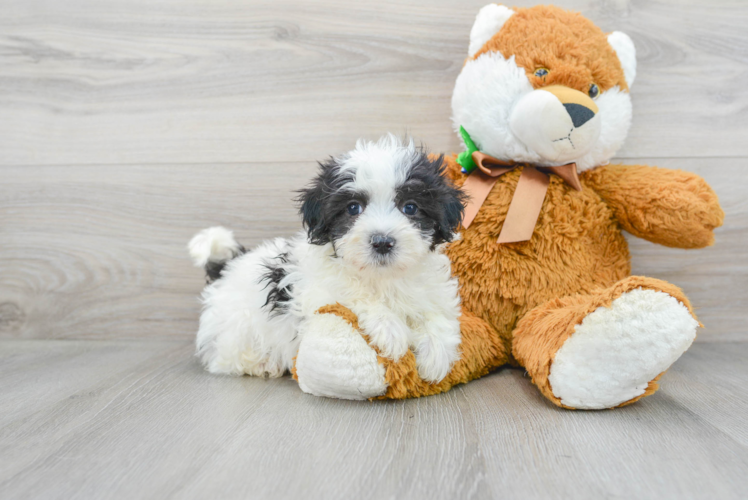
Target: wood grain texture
[126,126]
[173,81]
[155,425]
[99,251]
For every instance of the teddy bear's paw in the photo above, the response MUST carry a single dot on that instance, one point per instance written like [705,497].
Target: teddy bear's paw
[335,361]
[388,333]
[616,351]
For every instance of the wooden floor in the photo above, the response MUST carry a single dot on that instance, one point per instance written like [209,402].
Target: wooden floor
[140,419]
[128,125]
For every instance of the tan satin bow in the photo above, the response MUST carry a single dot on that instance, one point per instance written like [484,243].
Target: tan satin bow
[527,199]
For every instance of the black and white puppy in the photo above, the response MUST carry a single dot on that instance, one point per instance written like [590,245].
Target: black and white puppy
[376,222]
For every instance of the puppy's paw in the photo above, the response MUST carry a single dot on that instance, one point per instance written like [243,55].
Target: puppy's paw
[435,357]
[265,368]
[388,333]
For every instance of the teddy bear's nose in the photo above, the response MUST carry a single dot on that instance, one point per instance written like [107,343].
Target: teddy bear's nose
[578,106]
[579,114]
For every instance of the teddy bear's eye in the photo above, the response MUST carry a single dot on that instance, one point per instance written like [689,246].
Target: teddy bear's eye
[541,72]
[594,91]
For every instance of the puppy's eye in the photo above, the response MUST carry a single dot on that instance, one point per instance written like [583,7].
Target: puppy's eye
[541,72]
[594,91]
[354,208]
[410,209]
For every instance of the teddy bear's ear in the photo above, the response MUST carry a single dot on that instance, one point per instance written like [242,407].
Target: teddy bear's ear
[626,53]
[488,22]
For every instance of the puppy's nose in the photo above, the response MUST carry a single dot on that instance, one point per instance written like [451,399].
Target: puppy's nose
[382,244]
[579,114]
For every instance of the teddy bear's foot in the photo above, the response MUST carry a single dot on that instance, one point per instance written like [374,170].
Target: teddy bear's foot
[617,351]
[335,361]
[607,349]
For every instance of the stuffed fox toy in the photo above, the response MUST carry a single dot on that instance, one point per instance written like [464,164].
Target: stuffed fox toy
[542,104]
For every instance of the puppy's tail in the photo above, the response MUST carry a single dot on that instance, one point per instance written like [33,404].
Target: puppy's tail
[212,249]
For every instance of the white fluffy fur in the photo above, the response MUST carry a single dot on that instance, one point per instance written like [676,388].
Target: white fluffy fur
[411,301]
[236,334]
[488,22]
[615,352]
[626,52]
[334,360]
[488,90]
[543,125]
[216,244]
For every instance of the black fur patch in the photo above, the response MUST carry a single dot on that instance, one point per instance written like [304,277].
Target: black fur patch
[214,270]
[324,205]
[440,204]
[277,298]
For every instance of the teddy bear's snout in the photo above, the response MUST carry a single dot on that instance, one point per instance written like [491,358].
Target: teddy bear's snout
[556,122]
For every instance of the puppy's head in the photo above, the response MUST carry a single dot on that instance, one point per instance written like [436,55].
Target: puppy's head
[384,205]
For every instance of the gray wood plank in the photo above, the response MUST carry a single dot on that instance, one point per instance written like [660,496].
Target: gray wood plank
[721,404]
[107,245]
[164,428]
[86,81]
[99,251]
[60,371]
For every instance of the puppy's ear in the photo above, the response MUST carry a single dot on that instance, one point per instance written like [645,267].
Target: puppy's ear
[312,199]
[453,212]
[452,202]
[451,216]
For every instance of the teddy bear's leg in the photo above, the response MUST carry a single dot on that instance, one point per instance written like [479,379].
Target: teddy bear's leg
[335,359]
[607,348]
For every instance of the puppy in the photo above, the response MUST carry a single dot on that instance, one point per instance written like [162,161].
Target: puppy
[376,221]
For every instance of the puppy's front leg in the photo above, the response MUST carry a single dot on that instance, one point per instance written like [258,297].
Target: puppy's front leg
[386,331]
[436,342]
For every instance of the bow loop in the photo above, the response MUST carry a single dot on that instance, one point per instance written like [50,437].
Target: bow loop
[567,172]
[528,197]
[492,166]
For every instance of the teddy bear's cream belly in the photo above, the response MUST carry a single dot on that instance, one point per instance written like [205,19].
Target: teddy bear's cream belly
[577,246]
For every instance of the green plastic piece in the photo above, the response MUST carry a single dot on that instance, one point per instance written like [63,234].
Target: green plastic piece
[465,159]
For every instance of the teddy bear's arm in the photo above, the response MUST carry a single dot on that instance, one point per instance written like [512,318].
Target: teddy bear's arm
[336,362]
[670,207]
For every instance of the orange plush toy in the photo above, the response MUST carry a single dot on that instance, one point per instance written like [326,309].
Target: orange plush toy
[542,105]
